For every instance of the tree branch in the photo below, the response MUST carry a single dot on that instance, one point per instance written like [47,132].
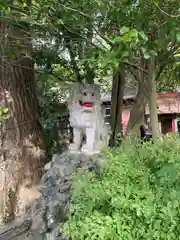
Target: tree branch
[89,17]
[158,74]
[59,78]
[19,10]
[77,11]
[134,74]
[103,37]
[79,35]
[135,66]
[167,14]
[74,63]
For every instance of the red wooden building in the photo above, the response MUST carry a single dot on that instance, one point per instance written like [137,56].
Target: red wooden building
[168,104]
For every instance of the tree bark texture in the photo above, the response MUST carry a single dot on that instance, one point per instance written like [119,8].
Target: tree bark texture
[137,113]
[146,95]
[90,75]
[22,147]
[138,110]
[152,99]
[89,71]
[116,106]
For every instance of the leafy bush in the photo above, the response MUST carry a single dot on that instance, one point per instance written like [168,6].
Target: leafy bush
[136,197]
[49,93]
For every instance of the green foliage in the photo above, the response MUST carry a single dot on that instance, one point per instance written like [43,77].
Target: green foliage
[81,38]
[4,8]
[136,197]
[50,92]
[166,87]
[170,77]
[4,114]
[98,35]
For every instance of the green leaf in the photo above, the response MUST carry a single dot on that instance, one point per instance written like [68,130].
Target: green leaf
[5,7]
[24,4]
[5,110]
[143,36]
[127,37]
[117,39]
[4,114]
[153,53]
[156,2]
[145,53]
[5,117]
[124,53]
[167,174]
[12,56]
[178,37]
[60,22]
[124,29]
[133,33]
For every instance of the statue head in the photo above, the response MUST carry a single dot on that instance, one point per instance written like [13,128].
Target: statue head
[87,96]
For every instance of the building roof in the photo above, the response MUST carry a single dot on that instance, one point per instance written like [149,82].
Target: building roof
[128,94]
[168,95]
[167,102]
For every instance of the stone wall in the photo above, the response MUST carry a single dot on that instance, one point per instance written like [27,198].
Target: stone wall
[49,211]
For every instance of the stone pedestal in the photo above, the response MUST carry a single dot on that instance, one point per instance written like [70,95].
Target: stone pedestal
[50,210]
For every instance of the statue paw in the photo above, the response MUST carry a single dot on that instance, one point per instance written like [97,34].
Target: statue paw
[87,150]
[73,147]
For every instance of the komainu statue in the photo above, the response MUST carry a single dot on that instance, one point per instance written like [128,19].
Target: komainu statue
[86,119]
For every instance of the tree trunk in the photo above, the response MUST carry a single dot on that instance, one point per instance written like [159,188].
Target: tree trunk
[152,99]
[137,113]
[89,73]
[116,106]
[138,110]
[74,63]
[22,147]
[89,77]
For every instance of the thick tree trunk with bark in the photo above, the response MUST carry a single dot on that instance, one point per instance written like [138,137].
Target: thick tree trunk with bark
[146,95]
[22,147]
[137,113]
[116,106]
[138,110]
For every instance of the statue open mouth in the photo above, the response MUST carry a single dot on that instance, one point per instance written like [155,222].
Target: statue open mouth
[86,104]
